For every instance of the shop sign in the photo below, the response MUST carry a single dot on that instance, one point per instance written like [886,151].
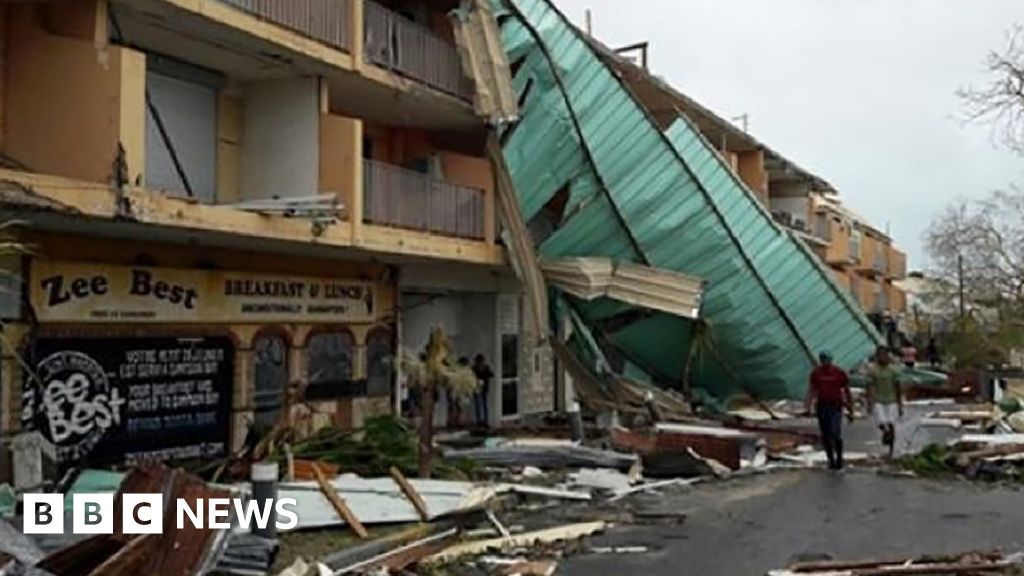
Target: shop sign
[131,400]
[74,292]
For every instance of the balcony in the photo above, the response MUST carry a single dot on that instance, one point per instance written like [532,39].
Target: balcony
[401,198]
[323,20]
[407,48]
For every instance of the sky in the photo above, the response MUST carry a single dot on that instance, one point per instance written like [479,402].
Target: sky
[859,92]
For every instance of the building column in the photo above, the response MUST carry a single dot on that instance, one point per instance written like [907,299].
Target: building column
[355,208]
[355,33]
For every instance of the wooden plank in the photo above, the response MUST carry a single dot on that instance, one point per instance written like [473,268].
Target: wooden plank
[339,503]
[410,492]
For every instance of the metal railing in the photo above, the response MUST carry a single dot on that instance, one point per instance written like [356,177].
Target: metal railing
[323,20]
[394,196]
[403,46]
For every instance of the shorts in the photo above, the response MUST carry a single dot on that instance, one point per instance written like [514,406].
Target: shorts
[886,413]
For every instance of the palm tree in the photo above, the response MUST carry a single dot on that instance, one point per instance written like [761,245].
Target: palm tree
[434,371]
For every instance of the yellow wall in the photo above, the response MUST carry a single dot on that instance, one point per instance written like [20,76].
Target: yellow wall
[229,148]
[341,141]
[842,277]
[69,104]
[839,247]
[468,171]
[751,171]
[897,264]
[897,299]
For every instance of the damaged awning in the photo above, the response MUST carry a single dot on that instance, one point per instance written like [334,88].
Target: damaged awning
[643,286]
[595,176]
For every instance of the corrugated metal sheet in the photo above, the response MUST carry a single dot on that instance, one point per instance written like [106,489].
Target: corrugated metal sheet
[666,200]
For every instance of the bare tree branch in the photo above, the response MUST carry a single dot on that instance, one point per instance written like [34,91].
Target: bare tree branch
[1000,103]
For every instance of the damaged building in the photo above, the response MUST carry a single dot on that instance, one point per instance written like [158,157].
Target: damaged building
[225,201]
[229,203]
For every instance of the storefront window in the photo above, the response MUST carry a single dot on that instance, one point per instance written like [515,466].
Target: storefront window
[379,364]
[330,358]
[270,359]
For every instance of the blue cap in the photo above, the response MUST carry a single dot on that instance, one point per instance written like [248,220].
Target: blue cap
[825,356]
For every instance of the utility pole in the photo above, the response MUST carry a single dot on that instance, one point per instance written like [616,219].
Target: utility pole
[960,278]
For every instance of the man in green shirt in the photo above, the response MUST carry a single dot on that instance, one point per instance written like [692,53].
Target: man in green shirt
[885,395]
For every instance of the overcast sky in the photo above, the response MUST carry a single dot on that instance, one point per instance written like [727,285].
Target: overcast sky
[860,92]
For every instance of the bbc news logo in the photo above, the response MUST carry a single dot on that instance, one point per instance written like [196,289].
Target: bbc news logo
[144,514]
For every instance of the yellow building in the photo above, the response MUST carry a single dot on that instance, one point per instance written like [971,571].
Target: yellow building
[225,198]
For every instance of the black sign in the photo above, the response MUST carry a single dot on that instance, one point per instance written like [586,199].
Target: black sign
[129,400]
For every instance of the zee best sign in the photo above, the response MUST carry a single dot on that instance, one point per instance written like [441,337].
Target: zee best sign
[130,399]
[90,293]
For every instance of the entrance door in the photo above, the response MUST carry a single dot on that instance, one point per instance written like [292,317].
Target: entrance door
[508,326]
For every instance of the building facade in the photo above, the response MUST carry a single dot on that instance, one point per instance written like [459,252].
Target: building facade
[228,201]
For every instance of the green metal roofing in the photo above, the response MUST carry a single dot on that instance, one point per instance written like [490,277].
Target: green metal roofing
[665,199]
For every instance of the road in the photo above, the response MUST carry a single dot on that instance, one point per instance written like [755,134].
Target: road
[748,526]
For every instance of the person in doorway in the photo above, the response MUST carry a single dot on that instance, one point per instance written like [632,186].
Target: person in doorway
[484,375]
[934,359]
[885,396]
[909,353]
[828,392]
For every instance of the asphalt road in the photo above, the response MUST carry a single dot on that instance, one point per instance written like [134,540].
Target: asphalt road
[748,526]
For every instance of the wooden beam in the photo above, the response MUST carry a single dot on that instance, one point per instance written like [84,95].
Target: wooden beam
[410,492]
[339,503]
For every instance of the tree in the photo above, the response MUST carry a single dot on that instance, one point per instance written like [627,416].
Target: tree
[435,371]
[977,250]
[1001,101]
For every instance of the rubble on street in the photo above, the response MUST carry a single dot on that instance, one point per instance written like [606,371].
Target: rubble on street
[493,513]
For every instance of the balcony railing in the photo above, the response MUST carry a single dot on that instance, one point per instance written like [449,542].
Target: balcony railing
[399,44]
[323,20]
[403,198]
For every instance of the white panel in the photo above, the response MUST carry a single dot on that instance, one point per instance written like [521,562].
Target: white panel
[189,114]
[281,141]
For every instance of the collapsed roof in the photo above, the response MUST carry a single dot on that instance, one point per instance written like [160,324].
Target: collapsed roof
[595,176]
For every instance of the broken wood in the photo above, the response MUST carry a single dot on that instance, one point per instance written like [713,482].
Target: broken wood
[549,536]
[402,556]
[339,503]
[964,459]
[410,492]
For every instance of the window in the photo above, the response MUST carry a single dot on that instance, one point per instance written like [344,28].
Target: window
[270,373]
[330,358]
[181,117]
[822,226]
[855,238]
[379,362]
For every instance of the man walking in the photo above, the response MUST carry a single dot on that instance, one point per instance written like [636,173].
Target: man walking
[828,393]
[885,396]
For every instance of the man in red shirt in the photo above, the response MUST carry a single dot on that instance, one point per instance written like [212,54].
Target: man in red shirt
[829,388]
